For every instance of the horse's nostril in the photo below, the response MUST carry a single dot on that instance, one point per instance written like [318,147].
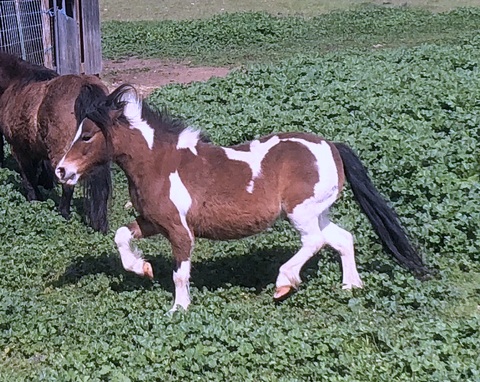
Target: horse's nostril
[60,172]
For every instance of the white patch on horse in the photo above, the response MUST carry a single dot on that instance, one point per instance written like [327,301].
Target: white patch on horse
[182,286]
[133,112]
[181,198]
[254,157]
[132,259]
[342,241]
[188,139]
[327,186]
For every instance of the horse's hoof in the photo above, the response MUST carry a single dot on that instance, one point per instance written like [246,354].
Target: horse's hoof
[147,270]
[282,292]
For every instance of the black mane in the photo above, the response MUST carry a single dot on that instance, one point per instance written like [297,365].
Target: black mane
[90,98]
[165,125]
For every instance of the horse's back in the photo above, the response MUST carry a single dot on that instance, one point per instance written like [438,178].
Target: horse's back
[19,107]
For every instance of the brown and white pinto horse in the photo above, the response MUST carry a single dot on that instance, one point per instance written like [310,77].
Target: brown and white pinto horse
[39,116]
[184,187]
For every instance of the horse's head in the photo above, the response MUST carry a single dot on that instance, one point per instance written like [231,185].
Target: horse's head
[92,145]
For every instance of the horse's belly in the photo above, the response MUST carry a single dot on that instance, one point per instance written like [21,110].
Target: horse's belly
[225,224]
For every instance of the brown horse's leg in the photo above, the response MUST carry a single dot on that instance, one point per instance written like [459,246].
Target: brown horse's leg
[2,152]
[28,172]
[66,201]
[46,175]
[132,259]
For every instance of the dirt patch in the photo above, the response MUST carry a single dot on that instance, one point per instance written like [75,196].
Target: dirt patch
[149,74]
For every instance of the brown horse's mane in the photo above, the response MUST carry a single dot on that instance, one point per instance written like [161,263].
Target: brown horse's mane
[14,68]
[167,128]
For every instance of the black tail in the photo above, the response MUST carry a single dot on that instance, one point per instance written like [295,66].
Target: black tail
[97,189]
[382,217]
[97,186]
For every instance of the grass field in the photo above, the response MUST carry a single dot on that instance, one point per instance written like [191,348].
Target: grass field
[192,9]
[411,110]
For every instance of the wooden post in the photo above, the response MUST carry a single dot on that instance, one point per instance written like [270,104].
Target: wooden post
[46,35]
[90,36]
[67,41]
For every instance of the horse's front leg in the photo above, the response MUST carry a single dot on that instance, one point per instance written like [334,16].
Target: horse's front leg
[182,242]
[66,201]
[132,259]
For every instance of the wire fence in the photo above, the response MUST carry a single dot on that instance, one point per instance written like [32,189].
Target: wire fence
[26,30]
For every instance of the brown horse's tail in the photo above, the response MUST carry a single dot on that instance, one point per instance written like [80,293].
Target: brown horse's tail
[97,185]
[382,217]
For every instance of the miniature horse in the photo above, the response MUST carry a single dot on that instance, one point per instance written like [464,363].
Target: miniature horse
[39,116]
[185,187]
[14,69]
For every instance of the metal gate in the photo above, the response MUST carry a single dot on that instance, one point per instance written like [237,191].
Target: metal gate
[61,34]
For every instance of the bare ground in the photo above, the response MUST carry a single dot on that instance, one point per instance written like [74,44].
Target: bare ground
[149,74]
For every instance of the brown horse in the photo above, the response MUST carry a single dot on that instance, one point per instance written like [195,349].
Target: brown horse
[185,187]
[39,116]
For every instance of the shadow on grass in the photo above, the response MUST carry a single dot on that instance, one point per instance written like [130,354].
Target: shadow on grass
[255,270]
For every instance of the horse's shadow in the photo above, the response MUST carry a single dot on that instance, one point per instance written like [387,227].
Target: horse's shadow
[254,271]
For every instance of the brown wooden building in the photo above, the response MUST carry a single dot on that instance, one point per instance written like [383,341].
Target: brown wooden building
[61,34]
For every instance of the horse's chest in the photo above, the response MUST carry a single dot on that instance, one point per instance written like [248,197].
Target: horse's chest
[149,199]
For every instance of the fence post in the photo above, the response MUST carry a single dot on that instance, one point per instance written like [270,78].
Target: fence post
[46,35]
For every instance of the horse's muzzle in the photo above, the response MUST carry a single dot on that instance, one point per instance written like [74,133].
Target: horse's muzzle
[66,176]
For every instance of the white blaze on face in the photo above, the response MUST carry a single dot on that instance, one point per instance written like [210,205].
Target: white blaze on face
[78,133]
[181,198]
[133,112]
[188,139]
[70,170]
[254,157]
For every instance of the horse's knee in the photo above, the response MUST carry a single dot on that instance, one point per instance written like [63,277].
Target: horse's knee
[123,236]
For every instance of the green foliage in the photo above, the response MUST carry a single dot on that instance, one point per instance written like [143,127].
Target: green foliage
[244,37]
[68,311]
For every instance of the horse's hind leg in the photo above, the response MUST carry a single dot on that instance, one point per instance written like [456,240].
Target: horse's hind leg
[306,222]
[28,172]
[342,241]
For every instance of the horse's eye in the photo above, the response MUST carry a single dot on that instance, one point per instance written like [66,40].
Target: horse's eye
[86,138]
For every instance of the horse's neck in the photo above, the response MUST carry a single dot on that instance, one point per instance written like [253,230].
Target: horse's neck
[136,155]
